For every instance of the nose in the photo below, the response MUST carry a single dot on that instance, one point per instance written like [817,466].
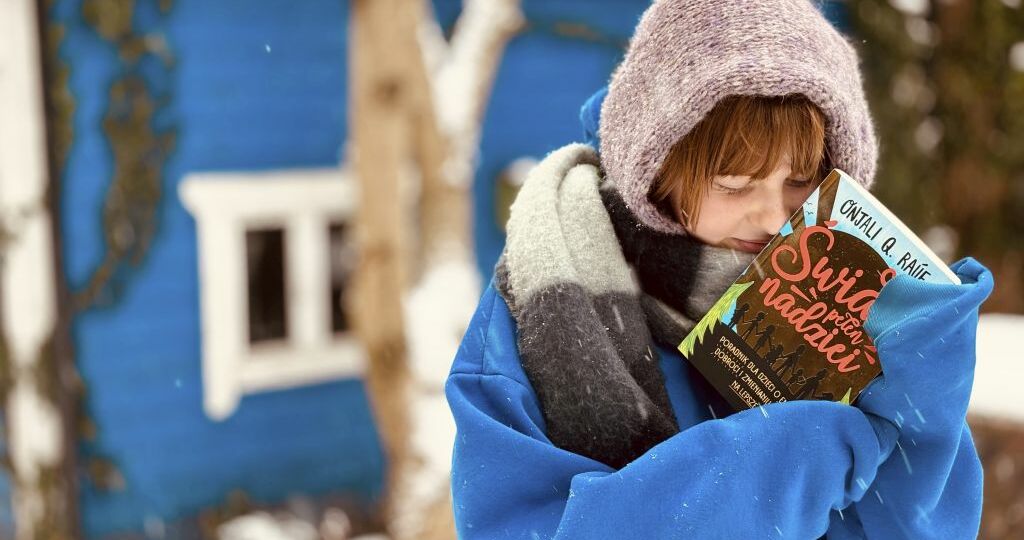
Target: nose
[773,212]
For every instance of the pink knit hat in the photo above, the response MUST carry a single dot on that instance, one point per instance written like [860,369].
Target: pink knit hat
[686,55]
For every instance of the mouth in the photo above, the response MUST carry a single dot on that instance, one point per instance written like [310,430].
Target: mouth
[750,247]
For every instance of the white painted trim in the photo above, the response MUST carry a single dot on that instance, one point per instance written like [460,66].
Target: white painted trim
[303,203]
[285,367]
[29,300]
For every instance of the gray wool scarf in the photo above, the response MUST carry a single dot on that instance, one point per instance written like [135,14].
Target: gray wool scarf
[592,290]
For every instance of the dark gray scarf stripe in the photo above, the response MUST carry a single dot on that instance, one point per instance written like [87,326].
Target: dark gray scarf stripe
[591,290]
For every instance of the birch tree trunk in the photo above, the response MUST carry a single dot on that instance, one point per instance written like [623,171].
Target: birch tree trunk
[453,87]
[417,105]
[35,370]
[381,143]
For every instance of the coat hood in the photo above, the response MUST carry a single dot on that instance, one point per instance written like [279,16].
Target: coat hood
[686,55]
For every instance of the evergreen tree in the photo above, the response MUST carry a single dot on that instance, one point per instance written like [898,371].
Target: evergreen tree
[946,84]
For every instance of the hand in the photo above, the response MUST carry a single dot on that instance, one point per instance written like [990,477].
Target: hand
[925,335]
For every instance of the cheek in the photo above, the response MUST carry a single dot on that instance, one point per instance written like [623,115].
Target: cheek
[797,197]
[716,220]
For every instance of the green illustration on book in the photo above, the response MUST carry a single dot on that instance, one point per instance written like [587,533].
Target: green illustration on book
[713,317]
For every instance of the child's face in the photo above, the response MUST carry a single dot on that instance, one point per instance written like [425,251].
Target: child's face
[742,213]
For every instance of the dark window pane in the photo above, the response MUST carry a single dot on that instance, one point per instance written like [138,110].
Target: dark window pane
[267,310]
[343,260]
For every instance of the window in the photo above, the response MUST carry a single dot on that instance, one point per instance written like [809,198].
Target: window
[343,258]
[275,259]
[264,250]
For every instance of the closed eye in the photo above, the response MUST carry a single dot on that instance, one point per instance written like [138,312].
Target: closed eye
[792,182]
[731,191]
[799,183]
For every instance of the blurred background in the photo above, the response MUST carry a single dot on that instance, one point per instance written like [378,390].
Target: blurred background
[241,240]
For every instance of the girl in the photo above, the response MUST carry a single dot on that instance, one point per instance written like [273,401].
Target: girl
[576,416]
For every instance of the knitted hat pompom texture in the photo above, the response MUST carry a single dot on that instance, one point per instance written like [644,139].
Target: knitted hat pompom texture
[687,55]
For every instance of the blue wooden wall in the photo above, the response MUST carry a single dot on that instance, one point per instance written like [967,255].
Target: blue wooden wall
[233,106]
[6,511]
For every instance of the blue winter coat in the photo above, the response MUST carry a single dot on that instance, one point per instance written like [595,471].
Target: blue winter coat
[800,470]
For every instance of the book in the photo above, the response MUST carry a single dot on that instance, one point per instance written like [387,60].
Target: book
[791,325]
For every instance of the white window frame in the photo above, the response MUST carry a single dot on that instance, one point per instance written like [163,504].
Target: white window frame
[303,203]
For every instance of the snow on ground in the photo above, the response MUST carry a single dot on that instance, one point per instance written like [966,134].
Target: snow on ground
[1000,367]
[286,526]
[264,526]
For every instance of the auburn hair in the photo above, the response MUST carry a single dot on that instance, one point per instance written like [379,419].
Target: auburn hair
[743,136]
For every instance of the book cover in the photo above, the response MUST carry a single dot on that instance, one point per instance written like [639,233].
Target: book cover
[791,326]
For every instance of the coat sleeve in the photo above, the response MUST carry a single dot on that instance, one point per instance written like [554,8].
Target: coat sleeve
[777,472]
[931,485]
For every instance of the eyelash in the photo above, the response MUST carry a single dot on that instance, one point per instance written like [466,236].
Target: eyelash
[734,191]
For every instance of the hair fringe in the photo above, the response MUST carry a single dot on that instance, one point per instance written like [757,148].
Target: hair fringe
[746,136]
